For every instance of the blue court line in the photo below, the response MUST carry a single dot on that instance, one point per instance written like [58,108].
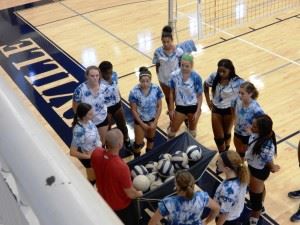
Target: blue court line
[249,32]
[277,68]
[287,142]
[288,137]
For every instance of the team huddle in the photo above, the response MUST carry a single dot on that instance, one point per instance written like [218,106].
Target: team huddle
[232,101]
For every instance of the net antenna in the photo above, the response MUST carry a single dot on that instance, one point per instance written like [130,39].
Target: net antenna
[199,19]
[172,16]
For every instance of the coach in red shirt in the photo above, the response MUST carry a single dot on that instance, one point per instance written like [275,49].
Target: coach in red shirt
[113,178]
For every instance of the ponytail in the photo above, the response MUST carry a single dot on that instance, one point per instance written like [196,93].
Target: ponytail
[189,192]
[232,160]
[243,173]
[75,120]
[185,183]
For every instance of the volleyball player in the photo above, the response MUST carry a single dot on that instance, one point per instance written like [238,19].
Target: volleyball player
[225,86]
[166,59]
[145,102]
[113,100]
[92,92]
[246,108]
[260,158]
[186,95]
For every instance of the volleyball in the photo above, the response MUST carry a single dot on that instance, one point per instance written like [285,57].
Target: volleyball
[153,177]
[165,156]
[141,183]
[194,152]
[138,170]
[151,166]
[169,178]
[156,184]
[180,160]
[165,168]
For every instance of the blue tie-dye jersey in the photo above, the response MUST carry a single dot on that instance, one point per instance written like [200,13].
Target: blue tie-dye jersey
[186,92]
[181,211]
[146,104]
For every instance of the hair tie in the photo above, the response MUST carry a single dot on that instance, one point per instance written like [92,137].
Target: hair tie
[241,165]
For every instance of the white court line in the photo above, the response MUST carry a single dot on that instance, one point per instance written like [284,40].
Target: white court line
[247,42]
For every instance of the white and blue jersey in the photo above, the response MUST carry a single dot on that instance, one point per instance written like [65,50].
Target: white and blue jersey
[112,94]
[224,94]
[146,104]
[244,116]
[181,211]
[186,92]
[83,94]
[86,137]
[259,161]
[230,195]
[167,63]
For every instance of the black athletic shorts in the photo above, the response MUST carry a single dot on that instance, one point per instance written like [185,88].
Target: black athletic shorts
[231,222]
[244,139]
[146,122]
[129,215]
[261,174]
[85,162]
[222,112]
[114,108]
[103,124]
[186,109]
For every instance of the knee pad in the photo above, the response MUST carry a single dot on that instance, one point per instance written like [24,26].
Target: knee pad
[193,133]
[227,136]
[150,139]
[256,201]
[242,154]
[148,149]
[219,141]
[138,147]
[170,133]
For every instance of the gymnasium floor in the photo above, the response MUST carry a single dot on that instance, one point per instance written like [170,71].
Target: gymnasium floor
[45,45]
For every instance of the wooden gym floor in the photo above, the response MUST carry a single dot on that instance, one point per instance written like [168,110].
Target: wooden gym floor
[126,32]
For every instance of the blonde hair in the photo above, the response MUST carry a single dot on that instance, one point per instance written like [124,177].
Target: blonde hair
[250,89]
[237,165]
[185,182]
[88,70]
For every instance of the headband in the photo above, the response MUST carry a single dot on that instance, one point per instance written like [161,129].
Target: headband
[187,57]
[145,74]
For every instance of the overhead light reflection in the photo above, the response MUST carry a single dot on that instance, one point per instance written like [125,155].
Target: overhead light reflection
[144,41]
[240,9]
[89,57]
[193,25]
[257,81]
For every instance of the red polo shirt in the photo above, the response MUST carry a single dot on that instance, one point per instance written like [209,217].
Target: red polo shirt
[112,177]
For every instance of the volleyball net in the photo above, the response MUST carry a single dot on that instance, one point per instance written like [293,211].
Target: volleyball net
[207,17]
